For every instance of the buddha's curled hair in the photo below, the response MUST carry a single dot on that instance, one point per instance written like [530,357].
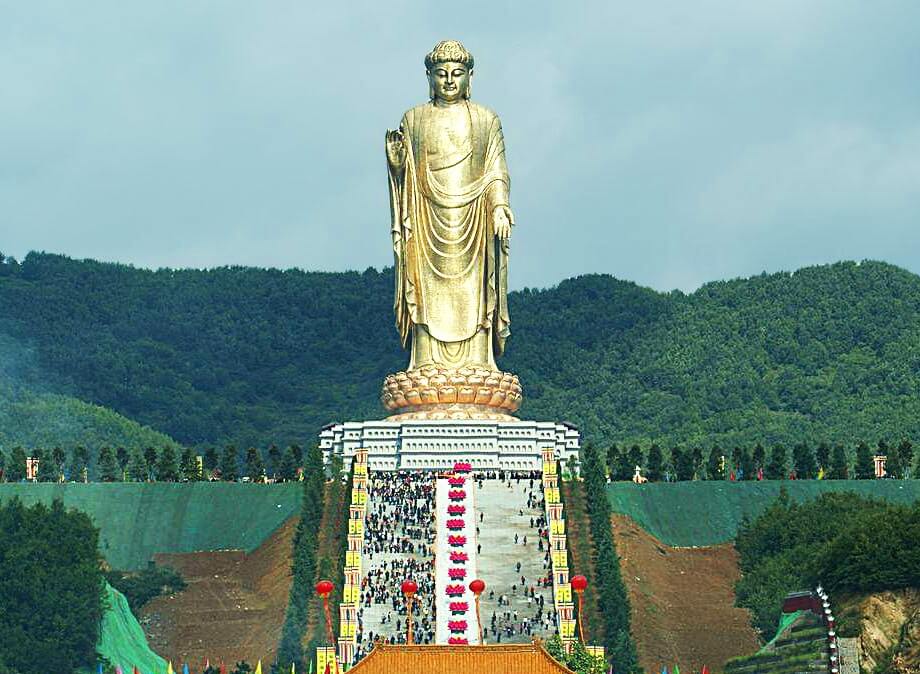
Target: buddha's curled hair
[449,51]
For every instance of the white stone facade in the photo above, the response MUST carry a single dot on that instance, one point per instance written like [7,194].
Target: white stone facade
[435,445]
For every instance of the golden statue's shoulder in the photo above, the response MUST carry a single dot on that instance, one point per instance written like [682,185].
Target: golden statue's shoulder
[475,108]
[482,110]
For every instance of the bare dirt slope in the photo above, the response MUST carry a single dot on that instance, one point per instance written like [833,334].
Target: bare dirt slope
[682,601]
[233,608]
[888,624]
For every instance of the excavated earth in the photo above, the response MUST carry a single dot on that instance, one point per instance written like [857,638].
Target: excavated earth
[233,608]
[682,601]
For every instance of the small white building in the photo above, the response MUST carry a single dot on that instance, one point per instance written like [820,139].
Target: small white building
[435,445]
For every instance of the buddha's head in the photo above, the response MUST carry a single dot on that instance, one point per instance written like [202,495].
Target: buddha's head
[449,67]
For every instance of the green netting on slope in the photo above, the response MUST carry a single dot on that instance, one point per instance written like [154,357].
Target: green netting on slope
[785,620]
[122,641]
[137,520]
[707,513]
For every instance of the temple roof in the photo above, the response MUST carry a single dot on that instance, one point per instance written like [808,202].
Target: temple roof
[488,659]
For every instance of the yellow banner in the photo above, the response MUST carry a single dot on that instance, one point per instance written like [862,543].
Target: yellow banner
[358,497]
[549,467]
[355,527]
[567,628]
[563,593]
[560,560]
[557,527]
[324,656]
[552,495]
[351,594]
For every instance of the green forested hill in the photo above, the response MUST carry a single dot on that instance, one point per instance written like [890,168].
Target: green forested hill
[48,420]
[259,356]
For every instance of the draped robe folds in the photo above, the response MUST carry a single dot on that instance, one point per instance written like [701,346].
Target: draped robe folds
[451,272]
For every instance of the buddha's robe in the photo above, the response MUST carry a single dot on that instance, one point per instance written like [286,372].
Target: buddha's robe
[451,271]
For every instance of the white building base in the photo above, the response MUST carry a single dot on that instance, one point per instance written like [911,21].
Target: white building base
[436,445]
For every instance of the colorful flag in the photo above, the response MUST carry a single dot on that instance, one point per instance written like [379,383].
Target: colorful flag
[185,668]
[99,667]
[676,669]
[705,670]
[119,670]
[169,667]
[258,667]
[293,671]
[664,670]
[135,670]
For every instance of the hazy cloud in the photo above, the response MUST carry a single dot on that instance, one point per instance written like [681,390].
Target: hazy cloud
[669,143]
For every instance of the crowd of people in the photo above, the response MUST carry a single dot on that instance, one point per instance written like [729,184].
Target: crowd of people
[398,540]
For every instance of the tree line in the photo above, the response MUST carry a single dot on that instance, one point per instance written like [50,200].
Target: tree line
[319,550]
[613,600]
[166,464]
[804,462]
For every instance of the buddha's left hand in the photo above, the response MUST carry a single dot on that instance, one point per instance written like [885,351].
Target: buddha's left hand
[502,219]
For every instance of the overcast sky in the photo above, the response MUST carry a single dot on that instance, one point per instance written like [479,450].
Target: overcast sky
[669,143]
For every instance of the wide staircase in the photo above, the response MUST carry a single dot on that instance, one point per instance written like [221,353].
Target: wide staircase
[398,544]
[513,558]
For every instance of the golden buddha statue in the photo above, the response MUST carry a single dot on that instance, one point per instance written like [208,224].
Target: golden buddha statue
[451,224]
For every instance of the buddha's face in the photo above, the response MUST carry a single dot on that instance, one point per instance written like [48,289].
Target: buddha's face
[449,82]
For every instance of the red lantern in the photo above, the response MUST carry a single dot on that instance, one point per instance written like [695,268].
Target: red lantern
[477,586]
[409,587]
[324,588]
[579,583]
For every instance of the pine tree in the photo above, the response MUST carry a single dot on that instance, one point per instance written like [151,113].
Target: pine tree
[188,466]
[274,460]
[210,459]
[893,466]
[865,462]
[759,458]
[16,466]
[714,467]
[2,466]
[46,471]
[696,459]
[151,456]
[79,464]
[804,461]
[823,456]
[906,451]
[122,457]
[167,466]
[624,468]
[776,469]
[229,464]
[749,464]
[298,455]
[59,457]
[738,463]
[635,458]
[287,471]
[654,464]
[138,470]
[254,465]
[840,469]
[107,466]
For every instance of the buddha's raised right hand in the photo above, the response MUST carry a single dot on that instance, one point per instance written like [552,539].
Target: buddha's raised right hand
[396,148]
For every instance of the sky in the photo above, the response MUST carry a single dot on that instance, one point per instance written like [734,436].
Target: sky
[666,143]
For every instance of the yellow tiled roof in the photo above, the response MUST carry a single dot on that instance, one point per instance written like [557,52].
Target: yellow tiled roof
[488,659]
